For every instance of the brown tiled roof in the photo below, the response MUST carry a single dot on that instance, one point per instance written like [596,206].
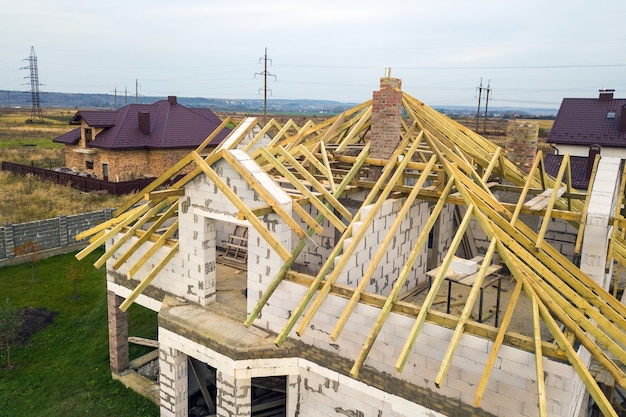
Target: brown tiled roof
[171,126]
[70,138]
[578,166]
[584,121]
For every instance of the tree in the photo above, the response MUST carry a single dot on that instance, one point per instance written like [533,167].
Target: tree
[10,328]
[31,251]
[75,272]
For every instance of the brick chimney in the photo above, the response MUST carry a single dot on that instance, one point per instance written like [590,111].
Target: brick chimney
[172,99]
[386,121]
[606,94]
[143,120]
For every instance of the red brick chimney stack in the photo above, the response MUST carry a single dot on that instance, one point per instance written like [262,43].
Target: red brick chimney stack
[386,120]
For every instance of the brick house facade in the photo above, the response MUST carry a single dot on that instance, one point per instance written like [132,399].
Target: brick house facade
[137,140]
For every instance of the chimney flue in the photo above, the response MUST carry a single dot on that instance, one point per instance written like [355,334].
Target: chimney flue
[606,94]
[143,121]
[172,99]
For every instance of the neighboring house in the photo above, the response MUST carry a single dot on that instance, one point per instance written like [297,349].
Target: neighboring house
[137,140]
[340,307]
[585,127]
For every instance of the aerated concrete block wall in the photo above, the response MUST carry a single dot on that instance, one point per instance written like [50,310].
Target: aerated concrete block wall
[49,234]
[396,254]
[511,390]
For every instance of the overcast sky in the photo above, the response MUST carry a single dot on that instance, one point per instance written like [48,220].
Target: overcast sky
[531,53]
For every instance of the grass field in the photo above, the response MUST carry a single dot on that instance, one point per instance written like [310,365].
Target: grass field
[64,369]
[27,199]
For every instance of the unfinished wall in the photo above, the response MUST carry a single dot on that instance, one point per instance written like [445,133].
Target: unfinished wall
[511,390]
[397,253]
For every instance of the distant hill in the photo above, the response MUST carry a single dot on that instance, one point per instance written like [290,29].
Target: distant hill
[275,106]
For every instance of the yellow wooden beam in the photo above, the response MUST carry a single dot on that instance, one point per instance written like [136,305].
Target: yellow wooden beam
[384,245]
[156,196]
[106,236]
[300,246]
[171,211]
[324,209]
[169,173]
[319,187]
[213,134]
[241,206]
[267,197]
[153,249]
[356,240]
[557,185]
[149,278]
[434,289]
[129,233]
[402,277]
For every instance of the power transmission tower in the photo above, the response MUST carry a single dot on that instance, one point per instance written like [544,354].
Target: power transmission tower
[265,74]
[35,114]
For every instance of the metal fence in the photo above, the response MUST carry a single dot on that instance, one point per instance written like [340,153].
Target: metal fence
[79,182]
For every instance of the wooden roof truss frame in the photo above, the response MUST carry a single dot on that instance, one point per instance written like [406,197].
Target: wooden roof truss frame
[449,164]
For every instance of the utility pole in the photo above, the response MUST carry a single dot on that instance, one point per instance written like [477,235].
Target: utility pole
[480,94]
[486,105]
[136,91]
[35,114]
[265,74]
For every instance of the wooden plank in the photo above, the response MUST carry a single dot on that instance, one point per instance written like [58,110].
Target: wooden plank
[465,314]
[213,134]
[157,196]
[555,194]
[384,245]
[300,246]
[432,293]
[540,376]
[153,249]
[323,208]
[112,232]
[149,215]
[373,194]
[106,224]
[175,169]
[135,340]
[241,206]
[268,198]
[319,187]
[399,284]
[171,211]
[355,242]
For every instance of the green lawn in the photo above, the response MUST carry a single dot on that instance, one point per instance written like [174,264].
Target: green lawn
[64,369]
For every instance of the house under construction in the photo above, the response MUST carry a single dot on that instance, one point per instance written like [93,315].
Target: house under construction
[391,263]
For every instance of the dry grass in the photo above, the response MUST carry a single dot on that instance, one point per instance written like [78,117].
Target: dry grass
[29,198]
